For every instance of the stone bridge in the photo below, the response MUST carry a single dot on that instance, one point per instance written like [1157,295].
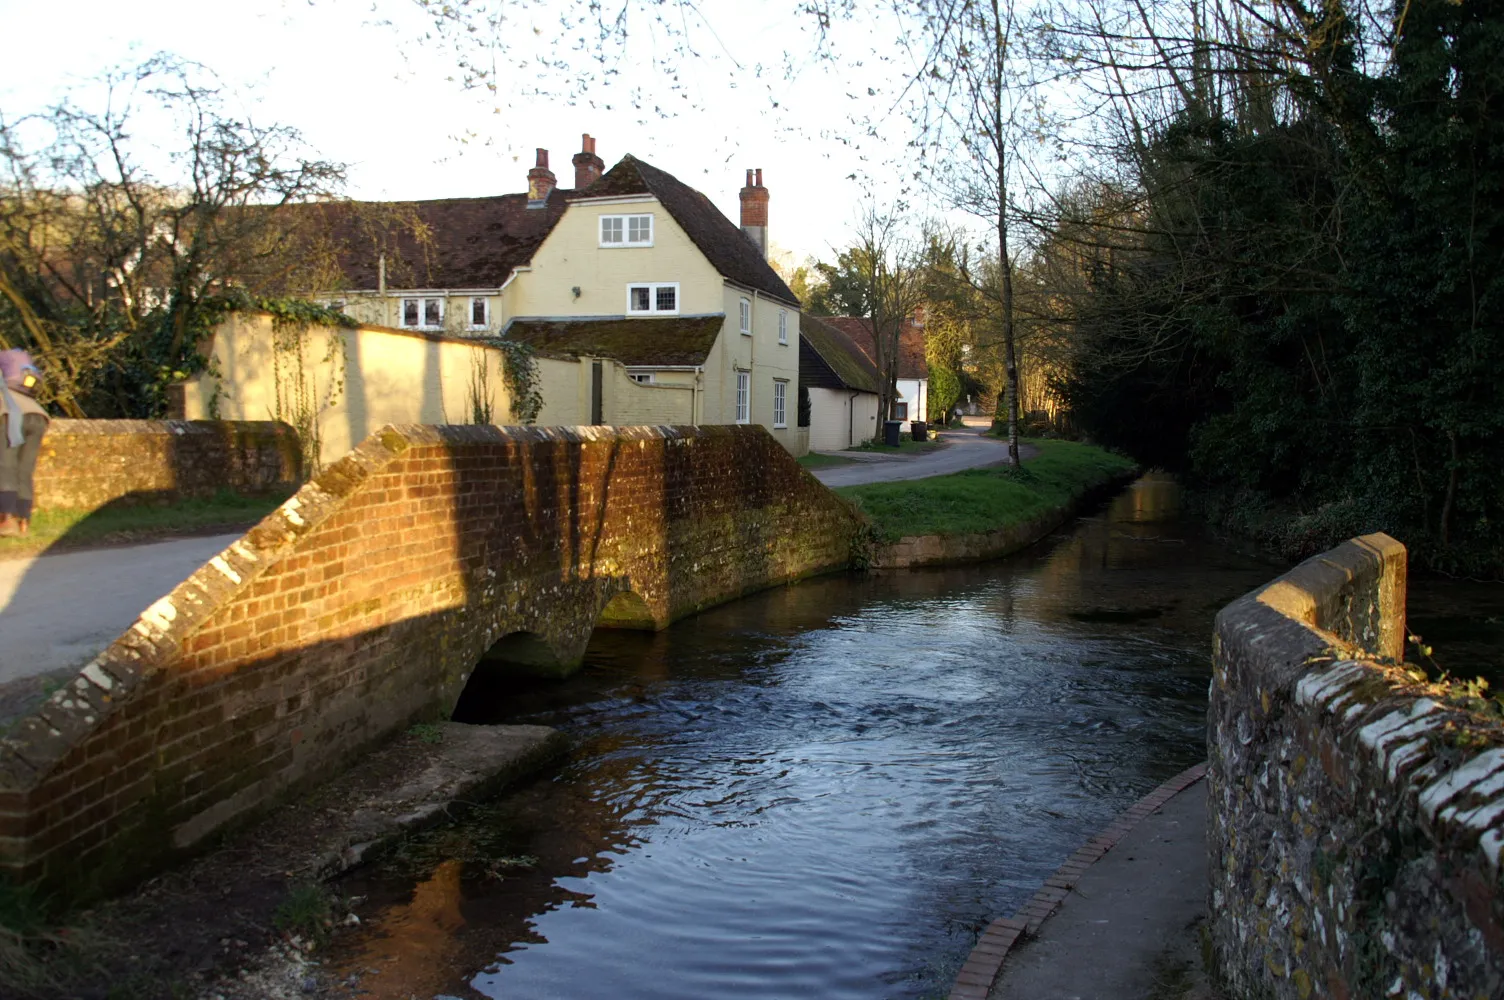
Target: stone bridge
[368,601]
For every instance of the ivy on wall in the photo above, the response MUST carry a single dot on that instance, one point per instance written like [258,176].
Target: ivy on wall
[482,407]
[519,367]
[299,400]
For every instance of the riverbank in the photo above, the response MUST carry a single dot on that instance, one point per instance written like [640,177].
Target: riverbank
[983,513]
[244,921]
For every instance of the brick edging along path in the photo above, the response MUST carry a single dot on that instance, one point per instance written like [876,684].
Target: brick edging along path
[974,981]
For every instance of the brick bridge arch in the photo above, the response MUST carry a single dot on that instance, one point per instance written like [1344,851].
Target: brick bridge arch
[368,598]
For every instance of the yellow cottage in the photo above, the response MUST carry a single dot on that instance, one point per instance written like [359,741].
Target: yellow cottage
[641,303]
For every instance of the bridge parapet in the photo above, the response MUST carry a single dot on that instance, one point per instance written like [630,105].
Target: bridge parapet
[1356,811]
[365,602]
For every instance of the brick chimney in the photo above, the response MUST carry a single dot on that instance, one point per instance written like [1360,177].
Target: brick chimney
[755,211]
[587,166]
[540,182]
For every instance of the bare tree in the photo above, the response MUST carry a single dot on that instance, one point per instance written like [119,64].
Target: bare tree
[889,265]
[111,249]
[972,89]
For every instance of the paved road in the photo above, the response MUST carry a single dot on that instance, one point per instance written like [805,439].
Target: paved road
[58,611]
[967,449]
[1131,928]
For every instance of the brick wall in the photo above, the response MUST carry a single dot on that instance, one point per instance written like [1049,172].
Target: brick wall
[86,464]
[1356,813]
[365,602]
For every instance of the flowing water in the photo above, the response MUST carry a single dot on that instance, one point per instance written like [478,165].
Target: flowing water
[825,790]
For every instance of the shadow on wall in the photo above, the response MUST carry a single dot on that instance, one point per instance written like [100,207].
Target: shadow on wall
[367,601]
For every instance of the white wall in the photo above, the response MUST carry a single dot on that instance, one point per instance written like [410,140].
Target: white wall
[841,418]
[915,392]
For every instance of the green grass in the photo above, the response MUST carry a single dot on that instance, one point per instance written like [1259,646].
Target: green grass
[813,461]
[906,446]
[979,500]
[308,911]
[125,523]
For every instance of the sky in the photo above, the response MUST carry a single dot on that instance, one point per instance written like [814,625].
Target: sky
[368,85]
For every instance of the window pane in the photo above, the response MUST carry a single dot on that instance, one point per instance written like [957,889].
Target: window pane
[477,312]
[641,302]
[431,316]
[667,294]
[409,312]
[640,228]
[610,229]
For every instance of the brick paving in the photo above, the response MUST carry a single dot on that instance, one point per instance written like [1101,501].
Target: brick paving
[1002,936]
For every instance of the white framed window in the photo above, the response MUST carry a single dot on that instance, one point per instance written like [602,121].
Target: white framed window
[423,314]
[626,230]
[743,397]
[655,298]
[783,326]
[780,402]
[479,313]
[746,317]
[646,378]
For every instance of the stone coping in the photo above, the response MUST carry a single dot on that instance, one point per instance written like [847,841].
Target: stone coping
[982,966]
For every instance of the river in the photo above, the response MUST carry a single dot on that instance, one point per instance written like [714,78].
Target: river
[825,790]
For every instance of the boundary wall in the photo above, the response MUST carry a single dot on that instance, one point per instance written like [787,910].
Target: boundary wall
[1356,812]
[87,464]
[367,600]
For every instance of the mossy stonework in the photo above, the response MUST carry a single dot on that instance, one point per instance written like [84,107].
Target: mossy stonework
[86,464]
[1356,811]
[365,602]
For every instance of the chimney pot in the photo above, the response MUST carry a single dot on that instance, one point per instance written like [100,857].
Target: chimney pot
[540,182]
[587,166]
[754,199]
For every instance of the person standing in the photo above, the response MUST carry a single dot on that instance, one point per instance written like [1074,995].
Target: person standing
[23,422]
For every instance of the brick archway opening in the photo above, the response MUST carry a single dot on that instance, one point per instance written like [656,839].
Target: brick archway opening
[514,658]
[627,609]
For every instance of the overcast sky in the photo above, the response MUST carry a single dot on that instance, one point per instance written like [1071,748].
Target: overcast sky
[364,88]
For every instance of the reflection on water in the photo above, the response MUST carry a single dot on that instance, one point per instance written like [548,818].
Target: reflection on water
[828,789]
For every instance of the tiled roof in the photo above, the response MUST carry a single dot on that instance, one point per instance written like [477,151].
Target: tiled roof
[858,331]
[846,363]
[465,242]
[718,238]
[648,342]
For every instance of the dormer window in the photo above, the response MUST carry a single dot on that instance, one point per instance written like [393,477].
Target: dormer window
[626,230]
[653,299]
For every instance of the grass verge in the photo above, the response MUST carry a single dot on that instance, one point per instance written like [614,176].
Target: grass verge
[979,500]
[813,461]
[906,446]
[134,522]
